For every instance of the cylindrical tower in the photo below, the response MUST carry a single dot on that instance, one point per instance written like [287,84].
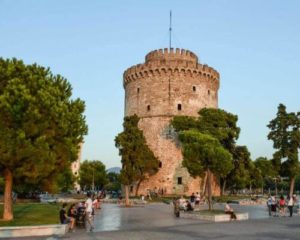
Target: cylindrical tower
[168,84]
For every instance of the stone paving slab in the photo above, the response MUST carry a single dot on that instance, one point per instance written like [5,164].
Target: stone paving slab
[156,221]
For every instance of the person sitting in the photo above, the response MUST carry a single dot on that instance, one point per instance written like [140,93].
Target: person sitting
[229,210]
[64,219]
[182,203]
[189,206]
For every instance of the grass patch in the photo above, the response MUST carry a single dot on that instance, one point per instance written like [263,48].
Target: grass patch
[28,214]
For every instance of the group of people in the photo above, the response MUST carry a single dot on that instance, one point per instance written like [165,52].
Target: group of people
[190,204]
[80,213]
[277,207]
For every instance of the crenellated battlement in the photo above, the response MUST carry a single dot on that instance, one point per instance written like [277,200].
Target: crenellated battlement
[162,63]
[171,55]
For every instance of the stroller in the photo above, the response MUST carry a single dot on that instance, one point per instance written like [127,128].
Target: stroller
[80,217]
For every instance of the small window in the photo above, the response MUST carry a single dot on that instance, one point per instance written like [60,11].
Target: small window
[148,108]
[138,90]
[160,164]
[179,180]
[208,92]
[194,88]
[76,173]
[179,107]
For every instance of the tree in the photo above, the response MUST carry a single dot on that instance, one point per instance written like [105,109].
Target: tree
[218,123]
[41,127]
[240,175]
[113,182]
[92,174]
[285,134]
[203,153]
[266,169]
[138,160]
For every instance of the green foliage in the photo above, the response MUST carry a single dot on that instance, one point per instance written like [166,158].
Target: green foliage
[266,167]
[240,176]
[202,152]
[114,183]
[41,127]
[137,158]
[92,174]
[285,134]
[215,122]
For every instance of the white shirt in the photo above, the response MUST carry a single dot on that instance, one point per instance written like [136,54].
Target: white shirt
[89,205]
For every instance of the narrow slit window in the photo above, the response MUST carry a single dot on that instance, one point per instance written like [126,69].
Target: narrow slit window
[138,90]
[179,107]
[194,88]
[148,108]
[208,92]
[179,180]
[160,164]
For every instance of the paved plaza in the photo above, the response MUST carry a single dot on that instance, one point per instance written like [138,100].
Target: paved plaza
[156,221]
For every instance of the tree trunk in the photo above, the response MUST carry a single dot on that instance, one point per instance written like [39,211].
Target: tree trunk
[209,192]
[204,183]
[138,187]
[223,187]
[7,211]
[292,185]
[127,204]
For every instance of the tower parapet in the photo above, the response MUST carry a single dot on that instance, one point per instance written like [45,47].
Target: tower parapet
[164,61]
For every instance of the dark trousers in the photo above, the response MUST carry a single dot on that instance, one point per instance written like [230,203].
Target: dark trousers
[270,209]
[291,210]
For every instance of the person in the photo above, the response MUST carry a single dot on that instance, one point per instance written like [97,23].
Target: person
[182,203]
[176,207]
[281,206]
[229,210]
[274,206]
[192,199]
[88,212]
[269,204]
[72,216]
[64,219]
[291,205]
[197,201]
[189,206]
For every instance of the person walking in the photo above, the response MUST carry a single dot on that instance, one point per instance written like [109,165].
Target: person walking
[269,204]
[290,205]
[89,212]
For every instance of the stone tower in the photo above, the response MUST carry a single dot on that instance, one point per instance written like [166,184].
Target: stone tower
[169,83]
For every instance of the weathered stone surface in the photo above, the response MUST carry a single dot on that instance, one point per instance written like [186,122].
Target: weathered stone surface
[170,83]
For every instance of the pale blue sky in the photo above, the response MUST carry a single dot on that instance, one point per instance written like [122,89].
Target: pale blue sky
[254,44]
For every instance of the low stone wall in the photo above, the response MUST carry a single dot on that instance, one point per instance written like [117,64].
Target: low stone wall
[40,230]
[213,218]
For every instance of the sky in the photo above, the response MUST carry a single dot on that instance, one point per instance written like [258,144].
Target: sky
[253,44]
